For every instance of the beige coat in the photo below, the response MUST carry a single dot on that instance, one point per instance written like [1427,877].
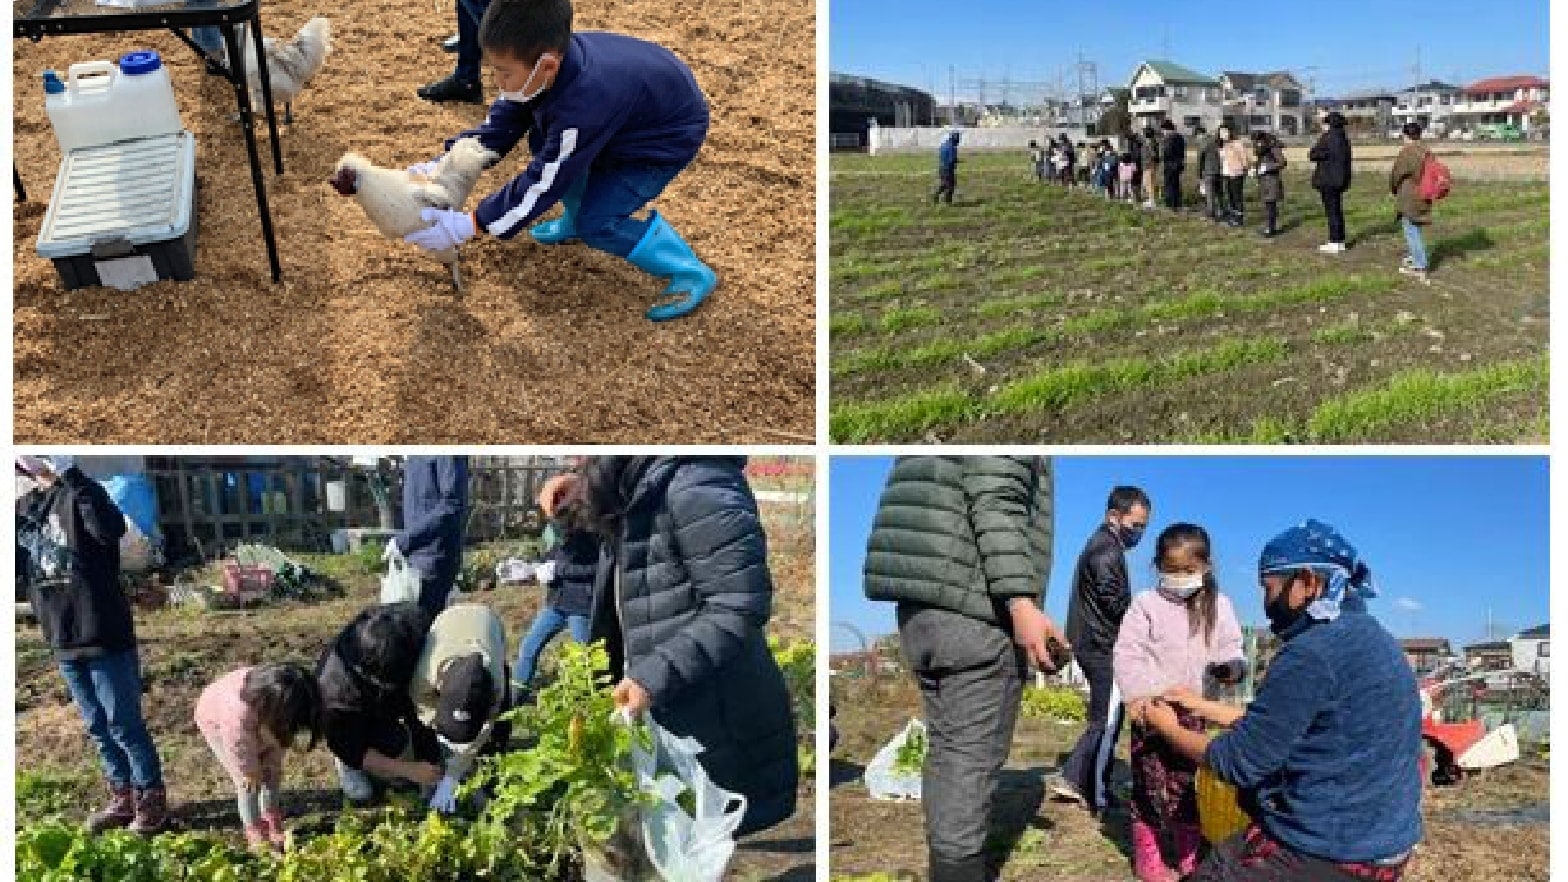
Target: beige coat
[1235,158]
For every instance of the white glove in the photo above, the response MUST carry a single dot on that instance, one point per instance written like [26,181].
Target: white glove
[444,800]
[545,572]
[426,168]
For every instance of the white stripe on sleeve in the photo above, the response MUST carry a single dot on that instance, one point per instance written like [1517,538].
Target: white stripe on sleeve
[506,222]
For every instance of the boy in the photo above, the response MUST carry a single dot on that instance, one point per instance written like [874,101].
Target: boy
[947,169]
[610,119]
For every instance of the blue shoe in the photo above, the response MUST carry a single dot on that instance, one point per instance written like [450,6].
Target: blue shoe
[663,253]
[554,232]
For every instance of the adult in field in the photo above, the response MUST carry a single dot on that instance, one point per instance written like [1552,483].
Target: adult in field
[1173,155]
[1152,167]
[682,602]
[963,545]
[70,530]
[1209,173]
[1235,162]
[1325,759]
[1271,179]
[435,509]
[947,169]
[462,84]
[1331,177]
[1101,595]
[1404,181]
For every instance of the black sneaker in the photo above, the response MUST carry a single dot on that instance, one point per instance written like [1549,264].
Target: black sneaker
[449,44]
[452,89]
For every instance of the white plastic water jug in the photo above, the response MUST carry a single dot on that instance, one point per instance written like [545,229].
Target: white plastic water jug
[101,103]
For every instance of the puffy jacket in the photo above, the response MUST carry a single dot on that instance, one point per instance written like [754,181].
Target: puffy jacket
[682,599]
[576,562]
[71,534]
[1271,184]
[1404,182]
[1209,157]
[1332,155]
[963,533]
[1101,595]
[947,156]
[435,505]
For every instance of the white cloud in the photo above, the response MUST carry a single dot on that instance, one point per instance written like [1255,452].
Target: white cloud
[1408,605]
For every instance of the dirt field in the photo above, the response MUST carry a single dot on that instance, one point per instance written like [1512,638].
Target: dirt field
[1028,313]
[182,652]
[1033,838]
[365,341]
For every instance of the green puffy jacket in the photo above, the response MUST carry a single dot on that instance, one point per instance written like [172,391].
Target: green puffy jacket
[963,533]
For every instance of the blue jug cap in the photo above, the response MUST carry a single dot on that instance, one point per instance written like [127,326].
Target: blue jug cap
[52,84]
[141,62]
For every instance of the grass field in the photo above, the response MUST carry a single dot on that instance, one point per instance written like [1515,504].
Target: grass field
[1027,313]
[1032,838]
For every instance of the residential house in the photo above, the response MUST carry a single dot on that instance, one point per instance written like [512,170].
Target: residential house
[1431,104]
[1518,101]
[1496,655]
[1274,102]
[1368,112]
[1164,90]
[1533,650]
[1425,653]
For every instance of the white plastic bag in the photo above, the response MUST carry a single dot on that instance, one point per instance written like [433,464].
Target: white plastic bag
[401,583]
[883,780]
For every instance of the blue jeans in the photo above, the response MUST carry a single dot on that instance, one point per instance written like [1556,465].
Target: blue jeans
[469,14]
[547,624]
[1413,239]
[210,39]
[108,692]
[608,196]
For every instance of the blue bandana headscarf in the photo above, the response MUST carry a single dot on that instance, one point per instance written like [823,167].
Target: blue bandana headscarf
[1319,547]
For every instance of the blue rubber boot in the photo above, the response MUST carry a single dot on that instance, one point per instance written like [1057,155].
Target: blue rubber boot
[554,232]
[663,253]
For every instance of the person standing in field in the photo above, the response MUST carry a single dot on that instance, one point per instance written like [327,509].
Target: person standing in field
[1037,161]
[1235,160]
[1415,212]
[962,545]
[1101,595]
[1151,167]
[1209,173]
[1271,180]
[71,532]
[947,169]
[1331,178]
[1173,153]
[435,511]
[569,574]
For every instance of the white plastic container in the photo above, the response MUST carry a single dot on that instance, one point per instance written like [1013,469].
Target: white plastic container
[103,103]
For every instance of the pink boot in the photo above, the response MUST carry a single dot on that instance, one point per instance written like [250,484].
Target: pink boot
[272,822]
[1188,840]
[1147,862]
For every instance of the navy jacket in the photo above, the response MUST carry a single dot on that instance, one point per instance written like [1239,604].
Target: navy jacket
[71,534]
[947,157]
[1326,755]
[616,101]
[687,622]
[435,507]
[576,569]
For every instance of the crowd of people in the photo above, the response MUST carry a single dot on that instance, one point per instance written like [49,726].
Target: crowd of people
[662,558]
[1325,757]
[1148,169]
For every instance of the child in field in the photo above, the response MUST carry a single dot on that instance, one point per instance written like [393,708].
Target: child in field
[610,120]
[1127,177]
[1108,165]
[1172,637]
[947,169]
[1084,164]
[250,717]
[1037,161]
[1271,183]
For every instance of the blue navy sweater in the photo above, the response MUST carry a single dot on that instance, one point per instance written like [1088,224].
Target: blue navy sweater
[435,508]
[947,157]
[617,100]
[1326,756]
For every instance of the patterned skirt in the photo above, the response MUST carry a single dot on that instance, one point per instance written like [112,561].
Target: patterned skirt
[1254,856]
[1164,793]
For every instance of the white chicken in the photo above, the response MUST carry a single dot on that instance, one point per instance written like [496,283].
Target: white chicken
[393,197]
[290,65]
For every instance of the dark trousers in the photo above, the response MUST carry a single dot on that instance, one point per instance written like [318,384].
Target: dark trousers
[971,678]
[1272,214]
[1088,767]
[1215,196]
[469,14]
[947,183]
[1173,188]
[1233,198]
[1334,207]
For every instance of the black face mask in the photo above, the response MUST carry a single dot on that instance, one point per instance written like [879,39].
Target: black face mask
[1278,610]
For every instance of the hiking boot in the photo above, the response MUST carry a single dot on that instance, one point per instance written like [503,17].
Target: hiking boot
[119,813]
[452,89]
[1417,274]
[152,811]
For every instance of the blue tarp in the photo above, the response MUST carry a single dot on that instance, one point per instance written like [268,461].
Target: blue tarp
[136,498]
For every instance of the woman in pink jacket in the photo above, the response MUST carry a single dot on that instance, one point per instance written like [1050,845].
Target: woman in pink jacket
[1172,636]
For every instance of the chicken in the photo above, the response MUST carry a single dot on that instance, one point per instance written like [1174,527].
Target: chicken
[290,65]
[392,197]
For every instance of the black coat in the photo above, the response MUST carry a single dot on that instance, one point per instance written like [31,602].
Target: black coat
[365,701]
[1173,152]
[576,569]
[689,569]
[1101,595]
[71,534]
[1332,155]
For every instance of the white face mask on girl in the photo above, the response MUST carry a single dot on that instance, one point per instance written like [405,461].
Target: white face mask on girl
[523,96]
[1181,585]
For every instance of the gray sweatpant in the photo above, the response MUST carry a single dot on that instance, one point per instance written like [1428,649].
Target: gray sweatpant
[971,678]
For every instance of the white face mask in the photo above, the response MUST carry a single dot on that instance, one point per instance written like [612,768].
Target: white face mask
[1181,585]
[523,96]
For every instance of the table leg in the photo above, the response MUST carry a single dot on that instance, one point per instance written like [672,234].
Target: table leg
[266,89]
[242,94]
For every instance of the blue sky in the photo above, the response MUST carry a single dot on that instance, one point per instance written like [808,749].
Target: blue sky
[1447,538]
[1353,43]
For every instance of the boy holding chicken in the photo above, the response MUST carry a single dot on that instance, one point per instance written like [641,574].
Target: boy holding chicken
[610,120]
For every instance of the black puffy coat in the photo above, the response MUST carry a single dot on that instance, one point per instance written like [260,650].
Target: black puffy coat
[1101,595]
[682,598]
[1332,155]
[71,535]
[576,562]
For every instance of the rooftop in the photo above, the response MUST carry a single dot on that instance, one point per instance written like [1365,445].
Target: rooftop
[1423,644]
[1171,72]
[1537,633]
[1506,84]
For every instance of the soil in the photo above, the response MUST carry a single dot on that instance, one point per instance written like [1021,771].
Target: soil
[1033,838]
[182,651]
[365,340]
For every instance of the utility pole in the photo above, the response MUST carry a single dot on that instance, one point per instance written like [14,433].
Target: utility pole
[952,96]
[1418,65]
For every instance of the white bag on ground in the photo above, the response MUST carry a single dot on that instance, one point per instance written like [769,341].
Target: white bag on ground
[401,583]
[886,782]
